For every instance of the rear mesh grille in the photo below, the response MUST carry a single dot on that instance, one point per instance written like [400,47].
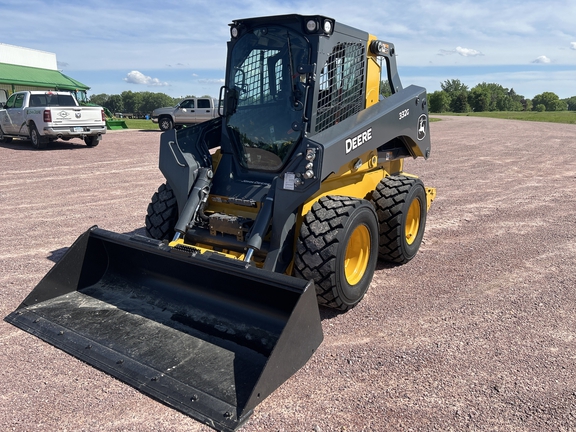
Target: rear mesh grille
[341,82]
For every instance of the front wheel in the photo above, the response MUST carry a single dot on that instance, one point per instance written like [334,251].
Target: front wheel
[37,141]
[337,249]
[162,214]
[165,123]
[401,205]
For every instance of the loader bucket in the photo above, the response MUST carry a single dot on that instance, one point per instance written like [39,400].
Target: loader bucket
[207,335]
[116,124]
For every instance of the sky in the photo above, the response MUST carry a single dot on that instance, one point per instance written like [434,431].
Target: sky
[179,47]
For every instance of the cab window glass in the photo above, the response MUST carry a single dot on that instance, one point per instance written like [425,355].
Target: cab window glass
[10,101]
[203,103]
[187,104]
[19,101]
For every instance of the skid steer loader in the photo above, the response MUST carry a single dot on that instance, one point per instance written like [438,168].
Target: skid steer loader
[284,201]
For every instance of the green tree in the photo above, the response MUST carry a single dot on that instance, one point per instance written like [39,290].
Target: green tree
[453,86]
[131,101]
[459,103]
[550,100]
[570,103]
[114,104]
[150,101]
[479,99]
[494,97]
[439,101]
[99,99]
[458,94]
[385,89]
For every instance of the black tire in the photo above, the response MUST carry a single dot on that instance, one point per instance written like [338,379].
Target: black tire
[38,142]
[4,138]
[401,206]
[91,141]
[337,250]
[162,214]
[165,123]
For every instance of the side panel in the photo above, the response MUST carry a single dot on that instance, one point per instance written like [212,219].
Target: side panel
[404,114]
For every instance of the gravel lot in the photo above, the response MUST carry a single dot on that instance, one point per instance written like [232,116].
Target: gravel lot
[478,332]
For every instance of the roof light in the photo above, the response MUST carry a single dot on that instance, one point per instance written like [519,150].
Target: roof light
[234,32]
[327,27]
[311,25]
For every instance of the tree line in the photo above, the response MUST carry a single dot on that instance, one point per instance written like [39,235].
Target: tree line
[456,97]
[137,103]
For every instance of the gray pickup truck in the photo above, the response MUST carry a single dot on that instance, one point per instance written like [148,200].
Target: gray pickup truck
[188,111]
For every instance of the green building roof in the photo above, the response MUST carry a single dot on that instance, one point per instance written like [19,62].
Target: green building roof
[31,76]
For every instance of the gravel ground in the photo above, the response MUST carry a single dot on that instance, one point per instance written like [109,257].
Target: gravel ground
[476,333]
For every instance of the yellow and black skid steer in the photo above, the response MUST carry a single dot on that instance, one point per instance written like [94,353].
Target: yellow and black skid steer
[283,202]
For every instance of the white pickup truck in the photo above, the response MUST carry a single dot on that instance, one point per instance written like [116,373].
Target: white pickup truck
[188,111]
[45,116]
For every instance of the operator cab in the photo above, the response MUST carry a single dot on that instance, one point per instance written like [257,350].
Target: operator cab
[268,96]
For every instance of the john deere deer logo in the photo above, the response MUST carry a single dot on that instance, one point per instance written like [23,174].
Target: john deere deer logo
[422,124]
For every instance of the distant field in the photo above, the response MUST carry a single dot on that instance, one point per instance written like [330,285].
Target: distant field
[568,117]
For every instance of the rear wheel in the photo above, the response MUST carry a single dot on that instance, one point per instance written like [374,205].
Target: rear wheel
[337,249]
[165,123]
[4,138]
[401,206]
[37,141]
[91,141]
[162,214]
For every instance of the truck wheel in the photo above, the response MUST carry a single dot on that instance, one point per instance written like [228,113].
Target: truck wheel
[4,138]
[162,214]
[337,249]
[37,141]
[401,207]
[165,123]
[91,141]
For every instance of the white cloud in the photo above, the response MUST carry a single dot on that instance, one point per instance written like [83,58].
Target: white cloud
[212,81]
[136,77]
[542,60]
[464,52]
[573,45]
[468,52]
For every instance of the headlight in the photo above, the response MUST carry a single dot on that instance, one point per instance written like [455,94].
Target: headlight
[379,48]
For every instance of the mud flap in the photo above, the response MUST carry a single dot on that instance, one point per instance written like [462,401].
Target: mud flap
[207,335]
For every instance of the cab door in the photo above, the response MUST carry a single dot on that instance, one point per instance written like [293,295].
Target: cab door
[13,114]
[186,112]
[204,111]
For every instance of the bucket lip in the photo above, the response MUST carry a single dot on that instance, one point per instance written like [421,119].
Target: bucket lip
[173,393]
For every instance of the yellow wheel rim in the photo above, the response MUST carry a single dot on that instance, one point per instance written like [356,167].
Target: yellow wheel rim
[357,255]
[413,221]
